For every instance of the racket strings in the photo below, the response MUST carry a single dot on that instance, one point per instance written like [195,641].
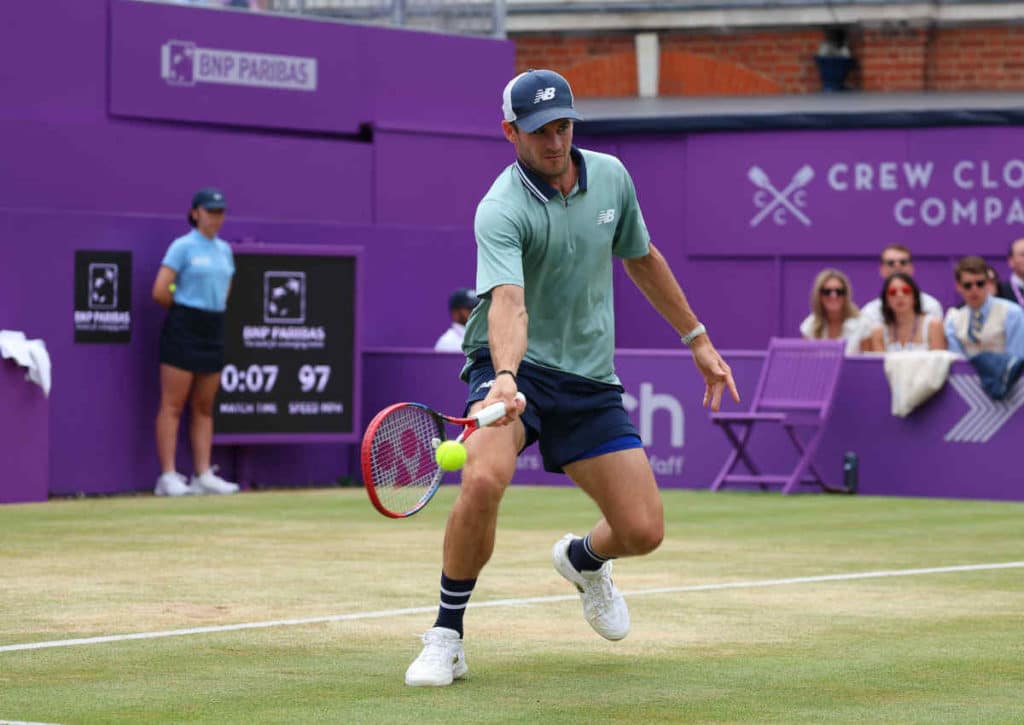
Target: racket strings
[403,467]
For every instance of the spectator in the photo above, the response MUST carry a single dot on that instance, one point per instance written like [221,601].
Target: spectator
[993,281]
[460,304]
[894,258]
[193,283]
[906,326]
[1013,288]
[985,323]
[833,313]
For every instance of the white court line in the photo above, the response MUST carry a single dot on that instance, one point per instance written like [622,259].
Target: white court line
[506,603]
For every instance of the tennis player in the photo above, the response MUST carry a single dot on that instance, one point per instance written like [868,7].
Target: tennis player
[193,284]
[546,233]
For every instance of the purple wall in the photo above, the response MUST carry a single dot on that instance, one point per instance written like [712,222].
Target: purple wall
[99,151]
[929,453]
[942,192]
[24,437]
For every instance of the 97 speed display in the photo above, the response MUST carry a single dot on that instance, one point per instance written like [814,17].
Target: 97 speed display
[290,334]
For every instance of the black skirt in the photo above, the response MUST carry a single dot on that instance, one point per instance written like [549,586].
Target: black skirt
[193,339]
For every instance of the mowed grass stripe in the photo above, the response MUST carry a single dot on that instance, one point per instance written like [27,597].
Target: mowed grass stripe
[517,602]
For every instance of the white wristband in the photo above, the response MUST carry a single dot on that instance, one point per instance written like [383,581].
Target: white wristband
[693,334]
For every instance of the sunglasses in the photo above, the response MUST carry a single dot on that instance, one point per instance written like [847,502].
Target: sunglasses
[905,290]
[971,285]
[896,262]
[833,292]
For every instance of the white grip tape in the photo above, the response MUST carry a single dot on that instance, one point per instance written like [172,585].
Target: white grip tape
[494,412]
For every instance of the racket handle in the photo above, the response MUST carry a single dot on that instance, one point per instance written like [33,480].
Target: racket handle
[494,412]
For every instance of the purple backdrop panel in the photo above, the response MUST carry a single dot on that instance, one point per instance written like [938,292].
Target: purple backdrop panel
[939,191]
[67,82]
[148,168]
[739,303]
[461,169]
[191,64]
[24,436]
[111,391]
[663,397]
[956,445]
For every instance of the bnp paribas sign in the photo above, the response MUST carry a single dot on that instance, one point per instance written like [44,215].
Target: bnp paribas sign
[183,63]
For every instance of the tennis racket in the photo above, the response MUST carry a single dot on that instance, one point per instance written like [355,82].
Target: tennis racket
[399,469]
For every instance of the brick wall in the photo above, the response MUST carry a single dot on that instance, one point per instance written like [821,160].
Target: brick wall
[746,62]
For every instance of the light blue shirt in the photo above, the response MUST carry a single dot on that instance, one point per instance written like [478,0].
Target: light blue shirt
[204,267]
[1014,328]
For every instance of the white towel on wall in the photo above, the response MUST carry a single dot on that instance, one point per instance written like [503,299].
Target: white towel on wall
[29,354]
[915,376]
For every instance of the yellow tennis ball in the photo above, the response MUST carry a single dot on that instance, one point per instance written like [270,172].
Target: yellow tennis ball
[451,456]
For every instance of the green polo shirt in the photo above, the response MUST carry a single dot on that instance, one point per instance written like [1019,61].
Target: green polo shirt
[559,250]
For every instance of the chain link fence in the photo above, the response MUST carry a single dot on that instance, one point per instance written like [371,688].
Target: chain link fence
[459,17]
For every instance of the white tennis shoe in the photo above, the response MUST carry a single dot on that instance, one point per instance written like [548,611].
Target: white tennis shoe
[441,661]
[171,483]
[603,605]
[210,482]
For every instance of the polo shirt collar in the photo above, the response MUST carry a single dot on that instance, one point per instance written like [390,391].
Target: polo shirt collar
[541,189]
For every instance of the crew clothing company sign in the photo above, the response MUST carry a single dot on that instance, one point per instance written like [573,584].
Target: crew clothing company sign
[103,296]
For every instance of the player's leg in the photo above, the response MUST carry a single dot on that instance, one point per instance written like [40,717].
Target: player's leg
[175,384]
[490,465]
[205,480]
[622,484]
[468,544]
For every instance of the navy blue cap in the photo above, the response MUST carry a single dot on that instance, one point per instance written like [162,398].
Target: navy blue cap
[209,198]
[536,97]
[463,298]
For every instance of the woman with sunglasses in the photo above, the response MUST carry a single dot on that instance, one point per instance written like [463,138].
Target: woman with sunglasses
[833,313]
[904,326]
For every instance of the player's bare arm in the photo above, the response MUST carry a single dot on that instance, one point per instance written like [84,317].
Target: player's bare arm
[652,275]
[507,323]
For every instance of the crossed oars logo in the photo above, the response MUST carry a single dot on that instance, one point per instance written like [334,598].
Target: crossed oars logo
[784,198]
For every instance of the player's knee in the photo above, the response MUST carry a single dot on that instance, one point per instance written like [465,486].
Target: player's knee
[643,538]
[482,486]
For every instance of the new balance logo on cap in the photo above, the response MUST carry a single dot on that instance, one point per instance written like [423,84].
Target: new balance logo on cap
[544,94]
[537,97]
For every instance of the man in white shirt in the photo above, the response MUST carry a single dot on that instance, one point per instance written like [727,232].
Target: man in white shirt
[460,303]
[894,258]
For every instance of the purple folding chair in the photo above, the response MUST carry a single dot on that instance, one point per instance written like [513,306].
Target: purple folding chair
[797,385]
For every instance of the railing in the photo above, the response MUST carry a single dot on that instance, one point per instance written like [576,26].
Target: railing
[491,17]
[459,17]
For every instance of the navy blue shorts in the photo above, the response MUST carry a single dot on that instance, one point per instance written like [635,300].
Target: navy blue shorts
[193,339]
[571,416]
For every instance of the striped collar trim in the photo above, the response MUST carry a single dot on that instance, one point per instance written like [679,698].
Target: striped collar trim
[540,188]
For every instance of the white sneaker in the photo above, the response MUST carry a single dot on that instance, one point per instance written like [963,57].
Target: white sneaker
[210,482]
[603,606]
[171,483]
[441,661]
